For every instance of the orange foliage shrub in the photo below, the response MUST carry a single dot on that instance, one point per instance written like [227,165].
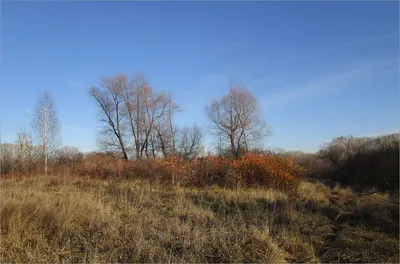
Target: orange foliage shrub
[139,169]
[213,170]
[99,166]
[267,170]
[172,170]
[251,170]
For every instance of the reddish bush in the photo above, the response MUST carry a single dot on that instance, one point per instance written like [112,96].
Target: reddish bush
[174,170]
[251,170]
[99,166]
[267,170]
[214,170]
[139,169]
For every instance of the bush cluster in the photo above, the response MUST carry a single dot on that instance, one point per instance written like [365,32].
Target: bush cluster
[251,170]
[364,163]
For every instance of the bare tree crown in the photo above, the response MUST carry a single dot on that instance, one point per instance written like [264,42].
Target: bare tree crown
[138,122]
[236,120]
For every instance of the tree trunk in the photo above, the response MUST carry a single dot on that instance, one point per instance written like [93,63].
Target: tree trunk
[232,146]
[45,142]
[245,141]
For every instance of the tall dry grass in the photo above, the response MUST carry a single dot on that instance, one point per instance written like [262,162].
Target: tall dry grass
[76,219]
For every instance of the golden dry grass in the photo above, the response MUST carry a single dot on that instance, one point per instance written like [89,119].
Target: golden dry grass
[71,219]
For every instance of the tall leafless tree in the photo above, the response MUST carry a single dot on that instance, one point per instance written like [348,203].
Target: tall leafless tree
[236,119]
[136,118]
[45,126]
[165,131]
[189,142]
[110,102]
[132,93]
[150,117]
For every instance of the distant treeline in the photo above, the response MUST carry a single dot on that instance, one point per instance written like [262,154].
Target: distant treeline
[362,163]
[365,164]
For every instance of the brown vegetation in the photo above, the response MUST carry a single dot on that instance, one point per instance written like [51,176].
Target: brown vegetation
[262,170]
[259,208]
[370,164]
[76,219]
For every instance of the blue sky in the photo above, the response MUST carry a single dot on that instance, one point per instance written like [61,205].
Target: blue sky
[318,69]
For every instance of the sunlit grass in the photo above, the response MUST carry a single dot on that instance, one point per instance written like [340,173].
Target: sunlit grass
[72,219]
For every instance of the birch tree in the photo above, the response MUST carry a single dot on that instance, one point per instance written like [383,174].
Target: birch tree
[45,126]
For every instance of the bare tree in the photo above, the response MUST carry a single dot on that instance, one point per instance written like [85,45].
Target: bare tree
[166,132]
[26,149]
[189,142]
[45,126]
[132,91]
[150,117]
[341,149]
[68,155]
[24,141]
[138,121]
[155,108]
[363,162]
[236,120]
[10,157]
[110,102]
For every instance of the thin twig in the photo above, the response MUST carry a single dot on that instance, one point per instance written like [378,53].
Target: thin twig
[326,236]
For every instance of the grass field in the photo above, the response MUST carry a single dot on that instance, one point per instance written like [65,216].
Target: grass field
[72,219]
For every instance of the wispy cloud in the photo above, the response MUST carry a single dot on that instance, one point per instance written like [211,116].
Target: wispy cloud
[326,84]
[74,129]
[370,40]
[29,111]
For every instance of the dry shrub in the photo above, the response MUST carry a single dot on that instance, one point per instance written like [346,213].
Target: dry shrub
[379,212]
[98,165]
[267,170]
[356,245]
[314,192]
[363,163]
[214,170]
[251,170]
[175,171]
[170,171]
[139,169]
